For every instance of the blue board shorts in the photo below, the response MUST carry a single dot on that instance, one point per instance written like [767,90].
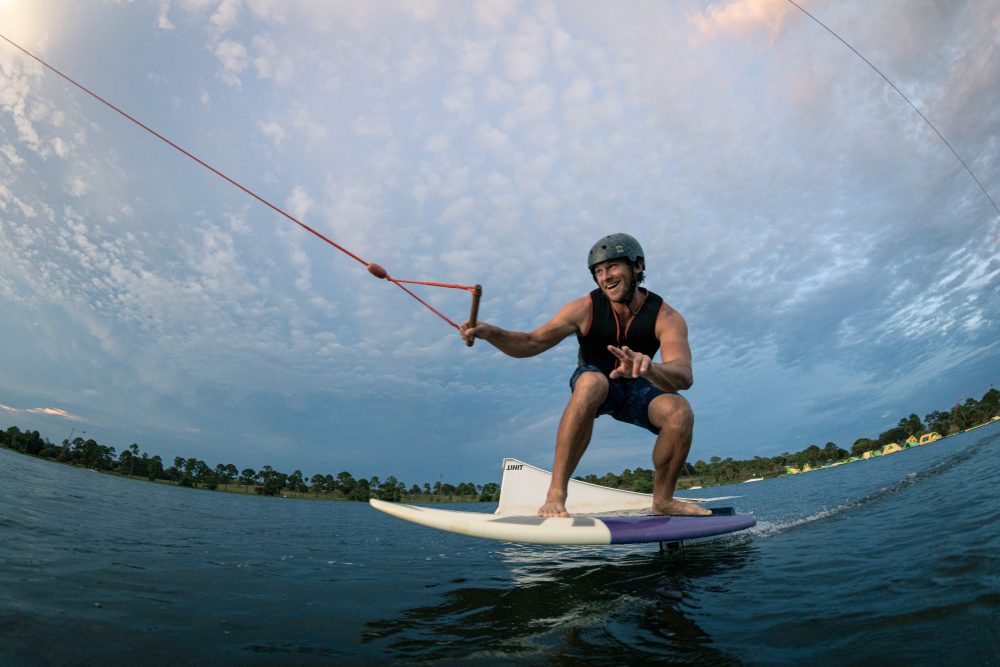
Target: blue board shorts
[628,400]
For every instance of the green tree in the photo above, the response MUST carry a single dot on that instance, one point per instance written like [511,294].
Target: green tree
[910,426]
[93,455]
[175,472]
[345,483]
[465,489]
[125,462]
[296,483]
[134,449]
[66,453]
[862,445]
[938,421]
[130,461]
[489,493]
[317,483]
[31,443]
[831,453]
[643,485]
[361,491]
[154,469]
[391,489]
[248,478]
[10,437]
[991,401]
[272,481]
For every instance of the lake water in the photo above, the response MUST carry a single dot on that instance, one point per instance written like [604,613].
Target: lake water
[896,559]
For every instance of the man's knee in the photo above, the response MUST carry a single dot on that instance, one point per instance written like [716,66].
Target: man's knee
[671,412]
[591,388]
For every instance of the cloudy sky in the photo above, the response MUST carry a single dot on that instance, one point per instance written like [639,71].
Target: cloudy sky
[837,265]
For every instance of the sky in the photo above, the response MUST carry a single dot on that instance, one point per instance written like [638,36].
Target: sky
[837,265]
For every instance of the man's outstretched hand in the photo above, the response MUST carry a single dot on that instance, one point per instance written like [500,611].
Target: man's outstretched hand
[631,364]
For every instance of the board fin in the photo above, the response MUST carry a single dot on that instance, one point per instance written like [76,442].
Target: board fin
[671,547]
[523,488]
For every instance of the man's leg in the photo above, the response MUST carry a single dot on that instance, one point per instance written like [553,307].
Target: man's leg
[572,438]
[672,414]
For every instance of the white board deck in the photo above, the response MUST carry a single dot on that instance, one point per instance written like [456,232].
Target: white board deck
[535,530]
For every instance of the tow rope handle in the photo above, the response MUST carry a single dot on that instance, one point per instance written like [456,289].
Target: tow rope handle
[477,292]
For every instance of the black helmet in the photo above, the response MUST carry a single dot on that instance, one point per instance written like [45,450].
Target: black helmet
[614,246]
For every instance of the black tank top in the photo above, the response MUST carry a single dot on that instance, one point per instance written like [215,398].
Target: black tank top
[605,329]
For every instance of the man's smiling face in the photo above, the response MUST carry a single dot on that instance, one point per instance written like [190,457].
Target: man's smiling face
[614,277]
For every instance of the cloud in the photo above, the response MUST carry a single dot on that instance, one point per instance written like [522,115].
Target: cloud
[233,57]
[525,52]
[476,55]
[459,102]
[163,21]
[421,59]
[493,16]
[16,82]
[494,140]
[742,19]
[270,62]
[536,102]
[376,125]
[52,412]
[312,130]
[226,15]
[273,130]
[299,202]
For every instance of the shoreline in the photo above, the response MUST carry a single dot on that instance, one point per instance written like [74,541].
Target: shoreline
[721,473]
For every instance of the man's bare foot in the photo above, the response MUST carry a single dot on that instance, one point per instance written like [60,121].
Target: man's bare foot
[675,507]
[555,505]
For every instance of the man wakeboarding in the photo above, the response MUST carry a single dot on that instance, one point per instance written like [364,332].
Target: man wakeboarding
[619,327]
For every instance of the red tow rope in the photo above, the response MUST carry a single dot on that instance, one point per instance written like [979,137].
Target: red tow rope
[373,268]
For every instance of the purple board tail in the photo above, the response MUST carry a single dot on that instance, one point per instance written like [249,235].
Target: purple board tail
[631,529]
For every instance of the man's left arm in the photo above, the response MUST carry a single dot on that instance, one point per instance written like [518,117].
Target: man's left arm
[674,372]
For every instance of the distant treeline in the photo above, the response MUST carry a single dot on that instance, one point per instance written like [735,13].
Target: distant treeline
[267,481]
[191,472]
[724,471]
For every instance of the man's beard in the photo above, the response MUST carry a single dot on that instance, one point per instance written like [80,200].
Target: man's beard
[628,291]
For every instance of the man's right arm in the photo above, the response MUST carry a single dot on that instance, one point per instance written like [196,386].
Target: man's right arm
[570,319]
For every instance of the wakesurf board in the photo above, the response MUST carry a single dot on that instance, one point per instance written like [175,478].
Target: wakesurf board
[602,515]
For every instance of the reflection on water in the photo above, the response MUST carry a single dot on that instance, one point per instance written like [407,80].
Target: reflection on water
[576,603]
